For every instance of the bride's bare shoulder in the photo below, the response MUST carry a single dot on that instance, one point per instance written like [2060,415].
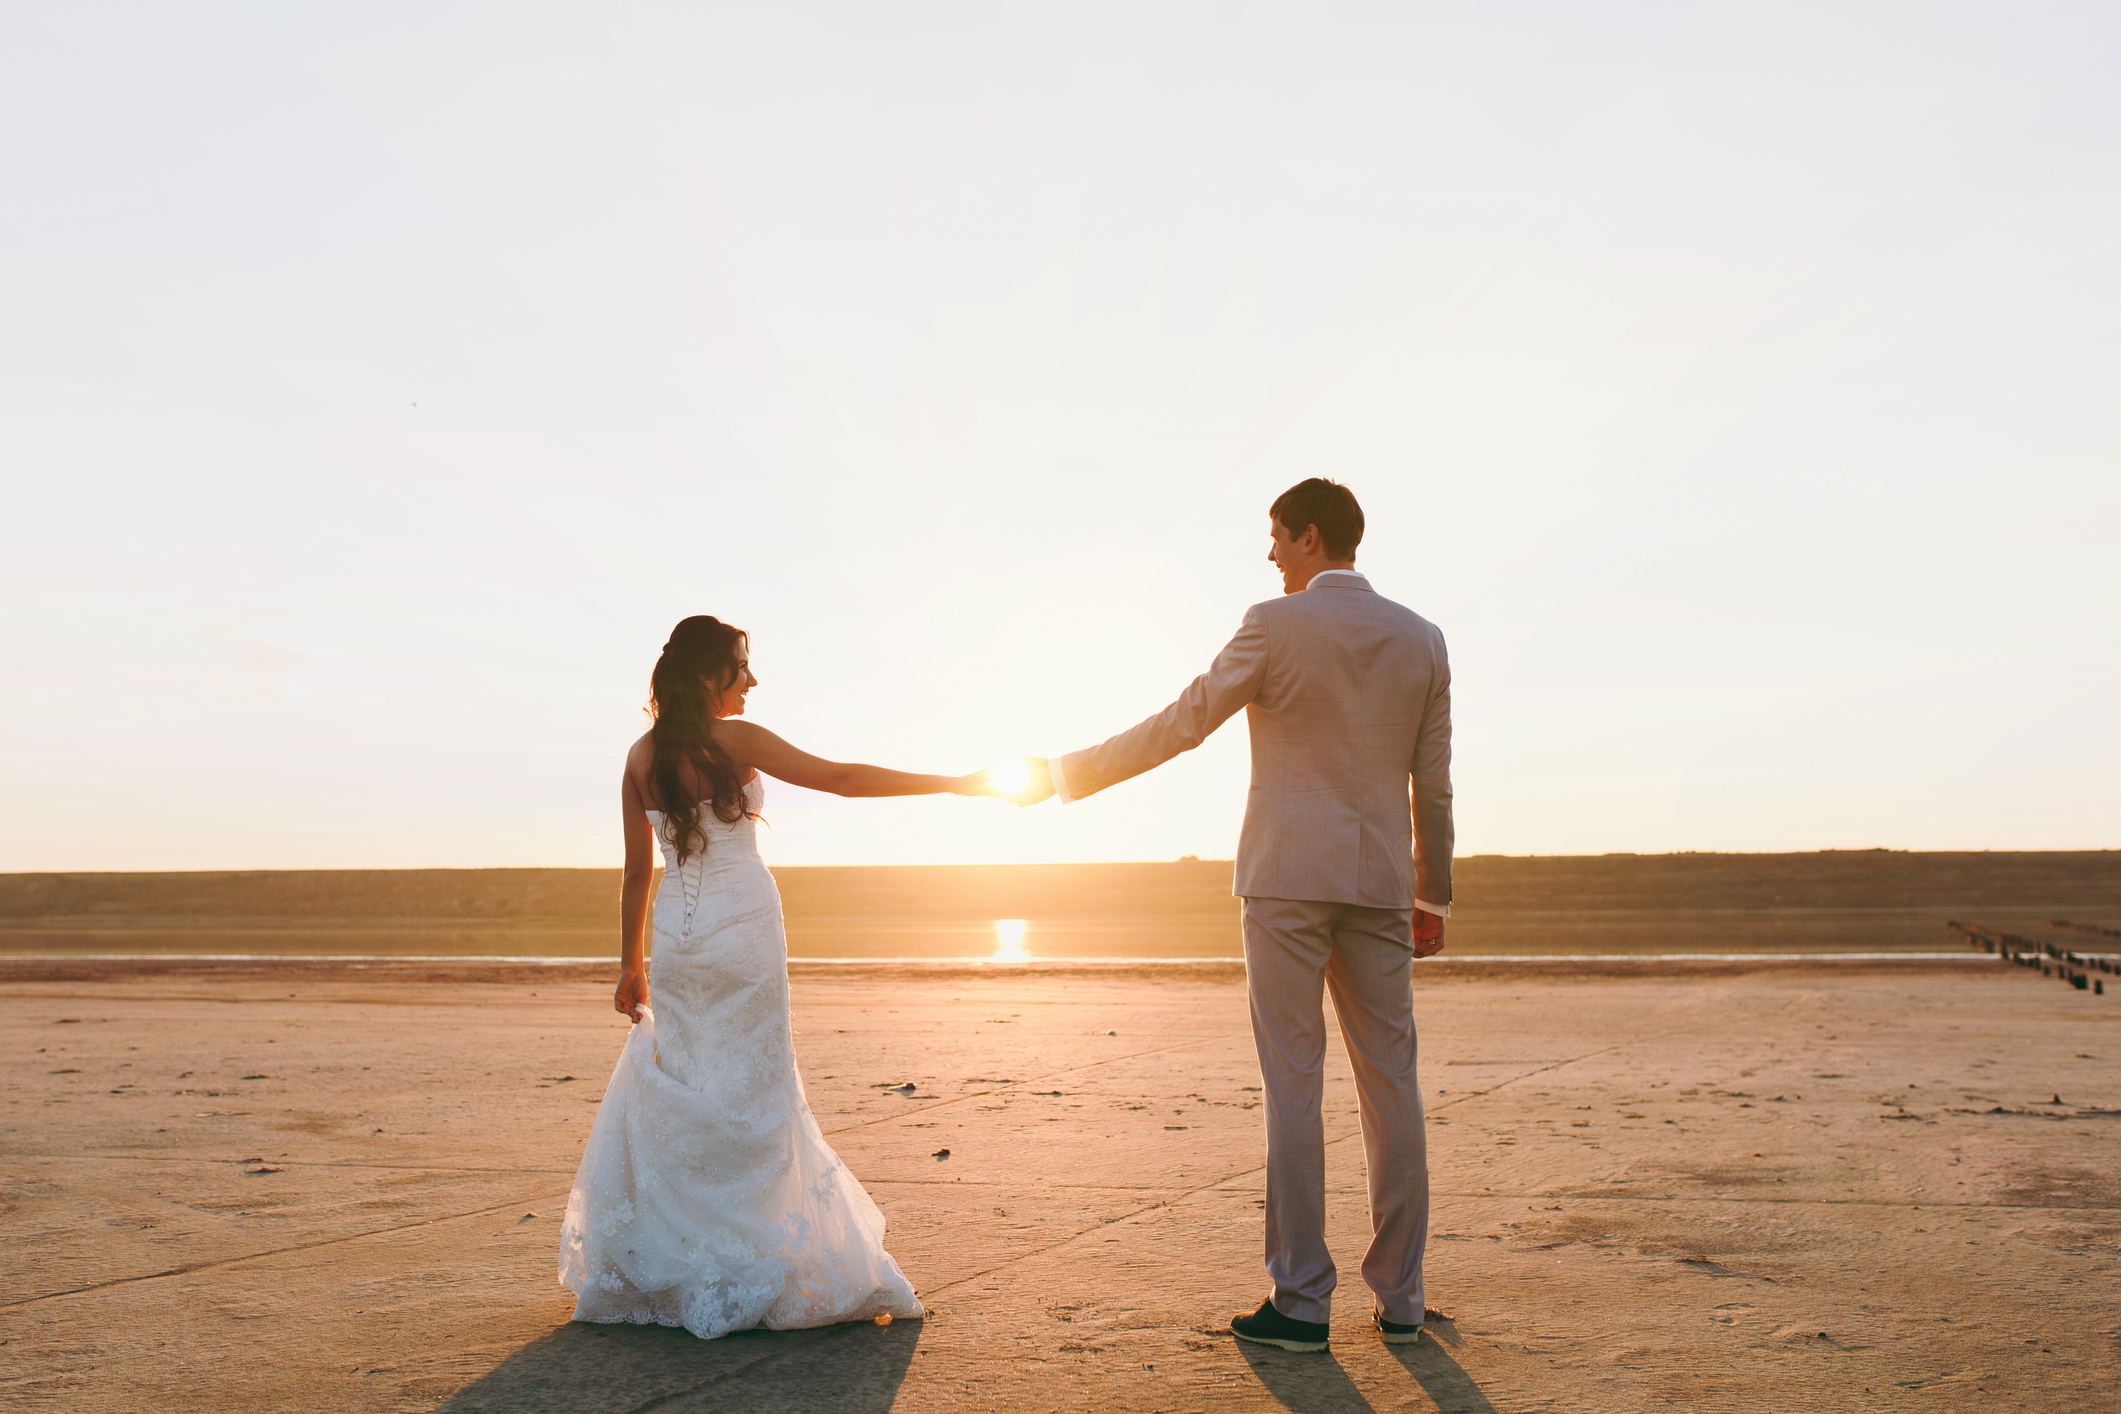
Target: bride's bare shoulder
[738,737]
[640,756]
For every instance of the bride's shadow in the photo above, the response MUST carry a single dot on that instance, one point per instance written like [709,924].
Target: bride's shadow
[592,1369]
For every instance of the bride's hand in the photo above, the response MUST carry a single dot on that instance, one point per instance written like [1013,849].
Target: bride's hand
[632,994]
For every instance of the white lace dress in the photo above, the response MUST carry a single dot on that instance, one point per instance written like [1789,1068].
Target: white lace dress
[708,1197]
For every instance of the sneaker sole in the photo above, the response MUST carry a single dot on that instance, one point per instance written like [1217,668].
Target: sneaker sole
[1299,1346]
[1399,1337]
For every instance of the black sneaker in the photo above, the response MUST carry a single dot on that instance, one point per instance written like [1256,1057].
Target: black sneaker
[1393,1332]
[1267,1326]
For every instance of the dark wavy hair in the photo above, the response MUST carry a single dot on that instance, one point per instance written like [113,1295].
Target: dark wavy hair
[699,660]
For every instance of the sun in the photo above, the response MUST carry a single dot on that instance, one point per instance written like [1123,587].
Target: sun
[1010,777]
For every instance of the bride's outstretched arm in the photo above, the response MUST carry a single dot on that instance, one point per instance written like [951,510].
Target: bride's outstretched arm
[750,744]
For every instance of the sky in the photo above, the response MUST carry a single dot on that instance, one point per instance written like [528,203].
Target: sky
[1733,385]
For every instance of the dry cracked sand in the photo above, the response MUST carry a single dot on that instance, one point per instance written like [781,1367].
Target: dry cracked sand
[1764,1185]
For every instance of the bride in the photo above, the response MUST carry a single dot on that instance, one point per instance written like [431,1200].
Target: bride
[708,1197]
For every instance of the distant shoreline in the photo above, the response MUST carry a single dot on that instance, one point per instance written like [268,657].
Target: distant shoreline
[1846,902]
[307,973]
[471,959]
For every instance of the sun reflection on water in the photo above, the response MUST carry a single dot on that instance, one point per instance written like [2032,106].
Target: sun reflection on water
[1009,940]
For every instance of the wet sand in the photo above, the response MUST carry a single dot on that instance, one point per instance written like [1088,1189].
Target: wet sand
[1770,1185]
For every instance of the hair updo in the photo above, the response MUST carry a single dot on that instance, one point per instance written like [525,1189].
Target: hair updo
[699,661]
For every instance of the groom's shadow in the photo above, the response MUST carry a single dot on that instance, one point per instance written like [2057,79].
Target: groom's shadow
[593,1369]
[1441,1378]
[1315,1383]
[1309,1383]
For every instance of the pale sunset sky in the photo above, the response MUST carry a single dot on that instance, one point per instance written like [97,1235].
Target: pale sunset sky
[1735,385]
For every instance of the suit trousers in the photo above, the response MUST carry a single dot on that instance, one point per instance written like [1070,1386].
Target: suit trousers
[1294,951]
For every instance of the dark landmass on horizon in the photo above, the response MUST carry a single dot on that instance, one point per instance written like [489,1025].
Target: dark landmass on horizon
[1824,901]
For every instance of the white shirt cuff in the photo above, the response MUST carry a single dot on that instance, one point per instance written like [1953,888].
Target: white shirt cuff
[1441,910]
[1060,780]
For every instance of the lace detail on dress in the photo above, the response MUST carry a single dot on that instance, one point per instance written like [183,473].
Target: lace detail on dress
[707,1197]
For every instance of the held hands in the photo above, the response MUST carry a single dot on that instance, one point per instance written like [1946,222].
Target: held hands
[1024,781]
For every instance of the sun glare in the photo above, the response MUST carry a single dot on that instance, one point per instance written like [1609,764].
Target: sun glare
[1010,777]
[1009,940]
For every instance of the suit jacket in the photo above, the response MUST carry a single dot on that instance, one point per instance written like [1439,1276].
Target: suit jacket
[1348,696]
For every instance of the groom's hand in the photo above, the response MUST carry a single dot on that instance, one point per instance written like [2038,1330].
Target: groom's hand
[1428,933]
[1038,781]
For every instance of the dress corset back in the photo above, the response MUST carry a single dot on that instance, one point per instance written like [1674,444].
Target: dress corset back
[724,863]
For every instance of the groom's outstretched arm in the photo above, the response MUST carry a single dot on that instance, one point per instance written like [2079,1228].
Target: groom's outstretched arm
[1230,682]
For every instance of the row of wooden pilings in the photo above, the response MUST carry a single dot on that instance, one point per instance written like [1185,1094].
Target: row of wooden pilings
[2052,960]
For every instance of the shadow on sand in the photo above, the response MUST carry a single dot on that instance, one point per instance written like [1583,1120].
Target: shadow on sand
[1441,1378]
[592,1369]
[1305,1383]
[1316,1384]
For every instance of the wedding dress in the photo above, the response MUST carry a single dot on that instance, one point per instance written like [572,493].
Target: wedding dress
[708,1197]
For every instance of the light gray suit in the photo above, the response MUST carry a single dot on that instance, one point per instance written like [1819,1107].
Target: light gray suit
[1348,696]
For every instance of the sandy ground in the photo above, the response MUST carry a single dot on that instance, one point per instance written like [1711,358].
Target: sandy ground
[1748,1186]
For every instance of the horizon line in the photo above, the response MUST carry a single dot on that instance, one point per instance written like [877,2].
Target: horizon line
[1051,863]
[990,961]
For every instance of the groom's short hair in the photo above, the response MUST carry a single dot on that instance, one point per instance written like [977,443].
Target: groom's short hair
[1326,504]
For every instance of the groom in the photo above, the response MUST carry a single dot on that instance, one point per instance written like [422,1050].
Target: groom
[1344,865]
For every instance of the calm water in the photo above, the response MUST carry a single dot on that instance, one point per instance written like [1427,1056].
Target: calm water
[1016,940]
